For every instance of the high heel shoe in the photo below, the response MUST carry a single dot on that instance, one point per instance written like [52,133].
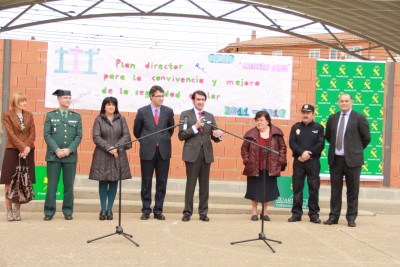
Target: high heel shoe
[109,215]
[102,215]
[9,214]
[17,212]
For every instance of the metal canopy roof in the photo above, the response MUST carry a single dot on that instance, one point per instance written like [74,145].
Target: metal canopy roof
[375,20]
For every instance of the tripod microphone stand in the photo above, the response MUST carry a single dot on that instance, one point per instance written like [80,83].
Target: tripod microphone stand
[119,230]
[261,235]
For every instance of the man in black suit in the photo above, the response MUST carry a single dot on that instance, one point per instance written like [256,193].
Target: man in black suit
[197,153]
[155,150]
[348,134]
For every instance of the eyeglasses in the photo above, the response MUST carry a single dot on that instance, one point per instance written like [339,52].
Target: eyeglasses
[159,96]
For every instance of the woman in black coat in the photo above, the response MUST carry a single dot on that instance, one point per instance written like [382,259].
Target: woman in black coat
[109,165]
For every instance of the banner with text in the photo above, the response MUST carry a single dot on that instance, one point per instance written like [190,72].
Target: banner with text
[237,85]
[364,81]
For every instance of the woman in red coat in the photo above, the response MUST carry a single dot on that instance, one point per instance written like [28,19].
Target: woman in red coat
[264,134]
[20,132]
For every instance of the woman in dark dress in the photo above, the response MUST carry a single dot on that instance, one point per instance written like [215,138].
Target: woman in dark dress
[268,135]
[108,166]
[20,132]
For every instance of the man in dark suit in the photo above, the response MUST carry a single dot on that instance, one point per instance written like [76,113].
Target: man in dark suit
[197,153]
[348,134]
[155,150]
[63,134]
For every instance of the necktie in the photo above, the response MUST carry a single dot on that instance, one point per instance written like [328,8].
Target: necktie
[339,139]
[200,114]
[156,116]
[64,114]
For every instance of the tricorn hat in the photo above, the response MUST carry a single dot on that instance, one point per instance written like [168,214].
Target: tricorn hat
[60,92]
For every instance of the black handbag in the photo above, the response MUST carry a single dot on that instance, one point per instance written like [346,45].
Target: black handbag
[21,189]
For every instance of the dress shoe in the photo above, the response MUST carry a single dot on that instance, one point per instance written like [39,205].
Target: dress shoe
[266,218]
[351,223]
[330,221]
[185,218]
[294,219]
[159,216]
[48,218]
[110,215]
[68,217]
[254,217]
[102,215]
[145,216]
[315,220]
[204,218]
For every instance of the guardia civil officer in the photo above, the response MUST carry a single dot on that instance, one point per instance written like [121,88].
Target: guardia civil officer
[63,134]
[306,141]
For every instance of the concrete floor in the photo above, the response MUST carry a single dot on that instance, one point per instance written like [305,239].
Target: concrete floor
[34,242]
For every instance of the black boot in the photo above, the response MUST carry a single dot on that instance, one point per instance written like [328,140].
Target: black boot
[109,215]
[102,215]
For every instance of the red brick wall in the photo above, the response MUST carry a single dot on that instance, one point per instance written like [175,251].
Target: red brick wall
[28,73]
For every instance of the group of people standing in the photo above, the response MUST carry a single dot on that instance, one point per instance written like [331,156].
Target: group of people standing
[154,126]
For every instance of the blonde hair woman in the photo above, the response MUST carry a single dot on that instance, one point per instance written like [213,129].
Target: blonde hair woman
[20,131]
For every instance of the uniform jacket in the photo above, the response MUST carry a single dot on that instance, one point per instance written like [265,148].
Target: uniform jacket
[192,146]
[145,124]
[16,138]
[61,133]
[250,153]
[105,167]
[356,137]
[312,134]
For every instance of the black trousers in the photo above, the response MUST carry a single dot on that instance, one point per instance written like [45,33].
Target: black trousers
[339,169]
[201,170]
[310,169]
[161,167]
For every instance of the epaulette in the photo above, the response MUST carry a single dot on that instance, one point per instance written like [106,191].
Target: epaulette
[55,110]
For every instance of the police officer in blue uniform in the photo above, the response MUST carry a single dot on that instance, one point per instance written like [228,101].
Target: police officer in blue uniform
[306,141]
[63,134]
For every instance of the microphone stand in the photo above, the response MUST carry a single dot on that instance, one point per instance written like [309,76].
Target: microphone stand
[119,230]
[261,235]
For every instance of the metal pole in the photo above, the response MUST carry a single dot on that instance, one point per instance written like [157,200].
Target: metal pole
[5,92]
[390,70]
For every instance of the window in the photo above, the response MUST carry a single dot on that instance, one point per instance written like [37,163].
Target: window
[353,48]
[333,53]
[277,53]
[314,53]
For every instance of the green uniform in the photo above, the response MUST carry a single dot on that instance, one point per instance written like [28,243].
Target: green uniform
[61,132]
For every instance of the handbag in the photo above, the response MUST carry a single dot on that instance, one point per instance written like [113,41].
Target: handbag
[21,189]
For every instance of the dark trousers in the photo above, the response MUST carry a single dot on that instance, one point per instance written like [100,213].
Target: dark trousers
[201,170]
[310,169]
[161,168]
[352,176]
[53,175]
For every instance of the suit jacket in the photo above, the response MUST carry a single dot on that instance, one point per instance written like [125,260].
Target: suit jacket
[191,148]
[356,138]
[16,138]
[145,124]
[61,133]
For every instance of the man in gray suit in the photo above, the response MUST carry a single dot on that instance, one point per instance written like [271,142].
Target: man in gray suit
[155,150]
[348,134]
[197,153]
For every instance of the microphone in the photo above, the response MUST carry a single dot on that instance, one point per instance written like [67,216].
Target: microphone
[185,121]
[209,123]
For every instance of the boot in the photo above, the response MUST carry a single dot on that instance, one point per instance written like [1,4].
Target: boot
[9,215]
[16,212]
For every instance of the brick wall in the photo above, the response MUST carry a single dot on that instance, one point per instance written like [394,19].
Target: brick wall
[28,73]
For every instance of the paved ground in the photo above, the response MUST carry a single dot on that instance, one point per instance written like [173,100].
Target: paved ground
[34,242]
